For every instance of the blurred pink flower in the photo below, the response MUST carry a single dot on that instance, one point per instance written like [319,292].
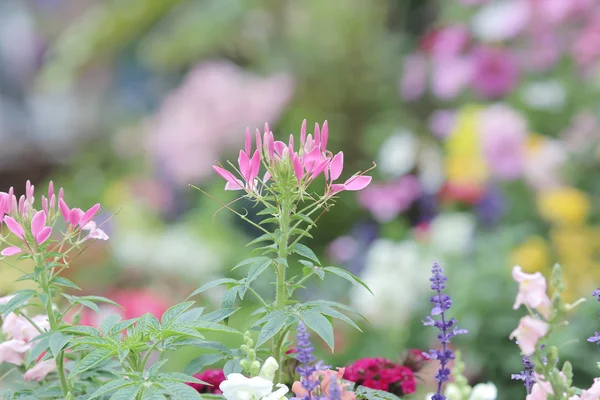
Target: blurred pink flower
[583,132]
[586,46]
[13,351]
[206,114]
[446,42]
[342,249]
[528,333]
[501,20]
[386,200]
[134,303]
[414,77]
[450,76]
[18,327]
[542,52]
[40,370]
[593,393]
[543,164]
[532,291]
[504,140]
[495,72]
[441,122]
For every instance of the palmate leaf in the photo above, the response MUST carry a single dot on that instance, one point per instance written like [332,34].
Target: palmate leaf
[18,300]
[57,342]
[219,315]
[256,269]
[332,312]
[275,323]
[212,284]
[111,386]
[228,299]
[174,312]
[127,393]
[198,363]
[91,360]
[152,393]
[180,390]
[250,260]
[319,324]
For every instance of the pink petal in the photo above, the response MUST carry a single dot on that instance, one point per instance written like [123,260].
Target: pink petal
[45,204]
[254,165]
[322,166]
[22,205]
[13,200]
[248,141]
[52,202]
[358,182]
[14,227]
[308,145]
[38,222]
[75,216]
[336,166]
[232,181]
[279,147]
[29,189]
[270,146]
[98,234]
[11,251]
[64,209]
[317,135]
[89,214]
[258,141]
[336,188]
[291,143]
[61,193]
[267,127]
[298,170]
[50,189]
[311,159]
[43,235]
[244,164]
[324,136]
[266,177]
[302,134]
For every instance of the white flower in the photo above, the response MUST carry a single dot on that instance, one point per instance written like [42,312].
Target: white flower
[268,369]
[547,95]
[397,155]
[238,387]
[452,233]
[501,20]
[484,391]
[278,394]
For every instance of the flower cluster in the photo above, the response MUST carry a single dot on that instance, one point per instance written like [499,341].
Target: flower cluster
[214,377]
[18,332]
[527,375]
[317,382]
[240,387]
[285,164]
[382,374]
[441,303]
[596,337]
[33,228]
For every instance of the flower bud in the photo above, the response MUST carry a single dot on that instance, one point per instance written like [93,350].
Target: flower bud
[245,348]
[245,364]
[254,368]
[268,369]
[251,354]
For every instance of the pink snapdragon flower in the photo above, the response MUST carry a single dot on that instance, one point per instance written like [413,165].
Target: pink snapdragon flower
[593,393]
[528,333]
[280,159]
[532,291]
[542,388]
[40,370]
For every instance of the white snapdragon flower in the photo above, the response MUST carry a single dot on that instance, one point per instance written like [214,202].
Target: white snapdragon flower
[482,391]
[239,387]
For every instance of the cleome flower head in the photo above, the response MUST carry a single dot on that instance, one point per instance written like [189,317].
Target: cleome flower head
[287,166]
[33,227]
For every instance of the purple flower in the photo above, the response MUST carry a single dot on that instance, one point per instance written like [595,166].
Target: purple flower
[335,391]
[306,359]
[527,375]
[441,304]
[596,337]
[495,72]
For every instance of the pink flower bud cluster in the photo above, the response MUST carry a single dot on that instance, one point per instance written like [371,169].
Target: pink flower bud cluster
[307,162]
[34,227]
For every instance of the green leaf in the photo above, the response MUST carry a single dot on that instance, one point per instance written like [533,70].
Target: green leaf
[211,285]
[300,232]
[268,211]
[147,322]
[110,386]
[100,299]
[110,321]
[19,300]
[272,220]
[40,347]
[179,377]
[372,394]
[180,330]
[213,326]
[59,280]
[127,393]
[180,390]
[251,260]
[152,393]
[232,366]
[57,342]
[319,324]
[81,330]
[262,238]
[198,363]
[347,276]
[303,217]
[338,315]
[190,315]
[219,315]
[268,316]
[282,261]
[228,299]
[175,311]
[121,326]
[271,327]
[91,360]
[26,277]
[305,252]
[89,304]
[256,269]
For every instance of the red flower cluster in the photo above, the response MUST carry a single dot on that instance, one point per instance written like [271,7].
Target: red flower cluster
[212,376]
[382,374]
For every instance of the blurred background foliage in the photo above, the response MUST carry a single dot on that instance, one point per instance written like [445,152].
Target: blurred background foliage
[481,116]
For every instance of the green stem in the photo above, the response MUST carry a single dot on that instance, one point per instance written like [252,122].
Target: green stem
[54,327]
[259,297]
[145,360]
[281,294]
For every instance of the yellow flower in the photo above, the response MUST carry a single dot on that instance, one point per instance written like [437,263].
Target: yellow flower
[532,255]
[464,160]
[564,206]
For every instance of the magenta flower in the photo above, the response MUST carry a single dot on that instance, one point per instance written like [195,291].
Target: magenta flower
[495,72]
